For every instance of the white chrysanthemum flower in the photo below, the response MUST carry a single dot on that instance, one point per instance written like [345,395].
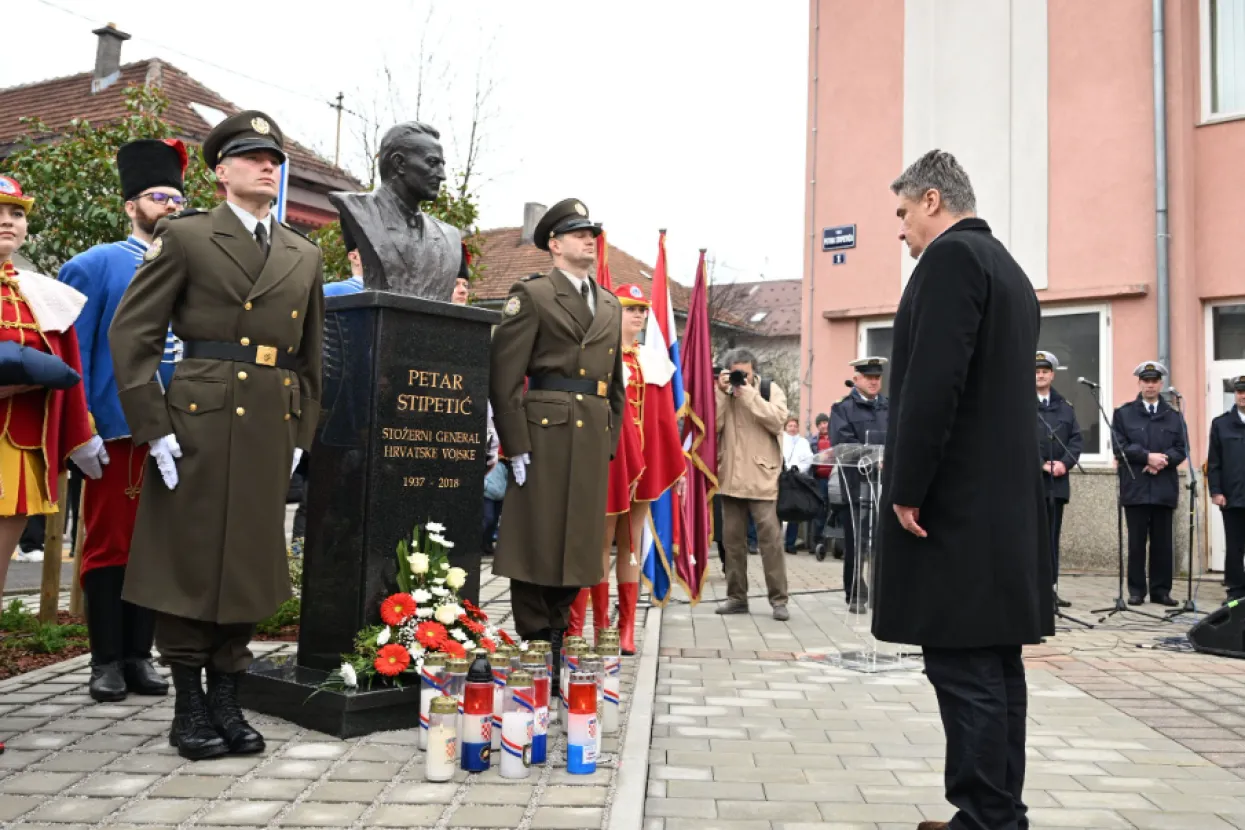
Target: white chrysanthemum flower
[446,614]
[437,537]
[417,653]
[435,527]
[440,592]
[383,636]
[456,578]
[425,612]
[458,635]
[421,595]
[447,543]
[349,679]
[440,580]
[419,563]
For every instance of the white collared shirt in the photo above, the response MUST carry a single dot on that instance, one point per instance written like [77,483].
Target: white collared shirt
[1240,413]
[249,221]
[578,283]
[1043,399]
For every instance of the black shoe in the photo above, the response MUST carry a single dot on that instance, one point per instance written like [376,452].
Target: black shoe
[1165,599]
[226,715]
[192,732]
[790,550]
[858,607]
[1136,600]
[141,677]
[107,683]
[554,637]
[1061,602]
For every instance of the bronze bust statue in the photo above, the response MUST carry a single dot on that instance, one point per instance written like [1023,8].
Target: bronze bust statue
[403,249]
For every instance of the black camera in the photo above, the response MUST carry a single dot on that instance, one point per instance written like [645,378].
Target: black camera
[738,378]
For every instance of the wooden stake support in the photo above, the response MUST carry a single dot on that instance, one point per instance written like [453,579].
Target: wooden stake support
[53,553]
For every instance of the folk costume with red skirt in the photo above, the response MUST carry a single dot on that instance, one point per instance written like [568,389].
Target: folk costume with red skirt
[39,428]
[627,467]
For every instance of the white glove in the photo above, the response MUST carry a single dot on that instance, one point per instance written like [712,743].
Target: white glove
[164,450]
[518,466]
[91,457]
[298,456]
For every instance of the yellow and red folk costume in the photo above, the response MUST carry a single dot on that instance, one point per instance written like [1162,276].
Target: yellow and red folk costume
[39,428]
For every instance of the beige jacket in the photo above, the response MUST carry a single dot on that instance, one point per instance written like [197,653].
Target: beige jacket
[750,441]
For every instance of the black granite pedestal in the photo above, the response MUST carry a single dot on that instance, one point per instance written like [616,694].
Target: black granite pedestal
[402,441]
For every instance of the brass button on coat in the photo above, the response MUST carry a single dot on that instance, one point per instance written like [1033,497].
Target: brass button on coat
[248,306]
[290,350]
[579,424]
[294,314]
[241,375]
[579,397]
[581,371]
[245,341]
[194,407]
[287,381]
[240,411]
[544,422]
[287,416]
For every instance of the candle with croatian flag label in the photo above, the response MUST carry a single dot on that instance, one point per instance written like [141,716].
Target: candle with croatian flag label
[442,732]
[570,664]
[499,664]
[611,655]
[581,727]
[517,726]
[455,684]
[432,685]
[545,649]
[477,729]
[534,664]
[594,665]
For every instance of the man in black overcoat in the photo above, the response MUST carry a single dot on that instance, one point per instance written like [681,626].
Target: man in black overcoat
[1150,435]
[1225,471]
[1059,445]
[964,564]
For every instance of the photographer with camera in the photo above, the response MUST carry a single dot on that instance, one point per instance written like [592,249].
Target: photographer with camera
[750,417]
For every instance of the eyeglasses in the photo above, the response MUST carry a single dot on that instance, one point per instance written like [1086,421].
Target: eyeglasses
[164,198]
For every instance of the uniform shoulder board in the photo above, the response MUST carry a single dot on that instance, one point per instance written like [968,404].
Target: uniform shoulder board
[188,212]
[531,277]
[290,227]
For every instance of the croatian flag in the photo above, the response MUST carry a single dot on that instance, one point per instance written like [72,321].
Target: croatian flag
[663,533]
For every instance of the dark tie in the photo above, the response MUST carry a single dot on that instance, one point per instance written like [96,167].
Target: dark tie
[583,290]
[261,238]
[1151,409]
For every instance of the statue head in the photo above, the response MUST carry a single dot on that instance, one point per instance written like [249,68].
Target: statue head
[412,163]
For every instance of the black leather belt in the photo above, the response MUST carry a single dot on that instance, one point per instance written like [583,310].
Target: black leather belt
[259,355]
[557,383]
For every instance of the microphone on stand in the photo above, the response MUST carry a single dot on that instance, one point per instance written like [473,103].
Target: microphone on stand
[1088,383]
[1171,390]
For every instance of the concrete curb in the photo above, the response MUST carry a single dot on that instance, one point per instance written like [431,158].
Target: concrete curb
[631,782]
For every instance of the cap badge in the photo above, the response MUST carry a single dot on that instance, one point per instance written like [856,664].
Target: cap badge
[512,307]
[7,186]
[580,209]
[1041,356]
[1150,367]
[260,126]
[636,293]
[155,249]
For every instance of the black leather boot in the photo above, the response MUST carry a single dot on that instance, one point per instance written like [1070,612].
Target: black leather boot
[555,641]
[102,588]
[227,716]
[141,676]
[192,731]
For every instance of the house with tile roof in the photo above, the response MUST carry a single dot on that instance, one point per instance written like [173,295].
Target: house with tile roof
[98,96]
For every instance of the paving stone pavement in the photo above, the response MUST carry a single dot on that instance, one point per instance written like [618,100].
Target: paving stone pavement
[757,728]
[73,763]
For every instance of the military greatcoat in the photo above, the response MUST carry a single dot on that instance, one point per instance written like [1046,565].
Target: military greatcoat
[213,549]
[555,522]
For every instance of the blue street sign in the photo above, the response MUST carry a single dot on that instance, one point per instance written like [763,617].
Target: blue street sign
[838,239]
[839,259]
[283,188]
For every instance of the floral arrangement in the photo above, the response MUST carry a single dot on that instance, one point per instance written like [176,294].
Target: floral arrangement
[425,615]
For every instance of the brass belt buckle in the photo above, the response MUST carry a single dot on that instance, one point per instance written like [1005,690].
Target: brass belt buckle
[266,355]
[602,389]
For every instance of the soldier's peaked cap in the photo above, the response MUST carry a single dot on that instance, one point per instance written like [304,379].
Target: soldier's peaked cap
[248,130]
[869,366]
[566,216]
[1150,370]
[1047,360]
[1238,383]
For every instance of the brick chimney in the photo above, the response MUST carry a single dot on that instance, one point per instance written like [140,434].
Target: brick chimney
[107,57]
[532,211]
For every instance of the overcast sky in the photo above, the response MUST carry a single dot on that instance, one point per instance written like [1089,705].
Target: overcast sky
[683,114]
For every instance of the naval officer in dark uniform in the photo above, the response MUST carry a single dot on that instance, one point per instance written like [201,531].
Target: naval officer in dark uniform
[1151,438]
[1059,445]
[860,418]
[244,294]
[560,332]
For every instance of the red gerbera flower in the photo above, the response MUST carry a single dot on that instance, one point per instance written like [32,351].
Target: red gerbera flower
[488,644]
[392,660]
[470,624]
[430,634]
[505,638]
[474,611]
[453,648]
[397,609]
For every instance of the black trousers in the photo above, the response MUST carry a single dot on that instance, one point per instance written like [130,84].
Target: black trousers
[1234,551]
[983,701]
[540,609]
[118,630]
[865,519]
[1054,514]
[1155,524]
[224,647]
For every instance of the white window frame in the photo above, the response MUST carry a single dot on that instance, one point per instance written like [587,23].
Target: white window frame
[1208,115]
[1102,458]
[862,334]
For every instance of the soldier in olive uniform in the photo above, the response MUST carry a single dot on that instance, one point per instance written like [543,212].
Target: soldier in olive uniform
[244,293]
[561,332]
